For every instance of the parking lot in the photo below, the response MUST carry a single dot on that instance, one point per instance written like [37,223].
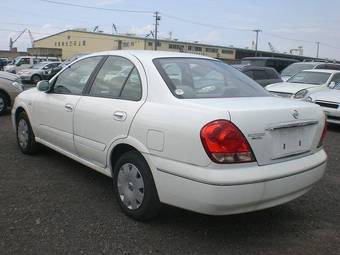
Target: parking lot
[52,205]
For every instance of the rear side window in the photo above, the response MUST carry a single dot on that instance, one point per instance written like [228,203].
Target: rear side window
[259,75]
[118,78]
[189,78]
[271,74]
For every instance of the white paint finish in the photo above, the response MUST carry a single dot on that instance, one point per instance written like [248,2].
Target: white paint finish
[155,140]
[293,88]
[53,115]
[166,130]
[94,121]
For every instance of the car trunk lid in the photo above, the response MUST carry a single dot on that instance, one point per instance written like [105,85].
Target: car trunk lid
[277,129]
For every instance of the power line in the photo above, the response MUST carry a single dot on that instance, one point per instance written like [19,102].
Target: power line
[95,7]
[203,24]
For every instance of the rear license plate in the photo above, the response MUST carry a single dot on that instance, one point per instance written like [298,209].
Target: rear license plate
[290,141]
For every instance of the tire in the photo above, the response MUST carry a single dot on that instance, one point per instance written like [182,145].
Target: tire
[134,187]
[3,103]
[36,78]
[25,135]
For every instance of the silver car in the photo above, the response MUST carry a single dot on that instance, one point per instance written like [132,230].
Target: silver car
[36,73]
[10,87]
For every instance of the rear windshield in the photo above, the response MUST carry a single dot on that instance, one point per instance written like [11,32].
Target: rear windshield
[296,67]
[315,78]
[203,78]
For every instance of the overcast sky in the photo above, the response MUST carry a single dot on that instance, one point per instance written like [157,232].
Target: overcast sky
[304,21]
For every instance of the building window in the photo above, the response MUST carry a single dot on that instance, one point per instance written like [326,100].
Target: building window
[159,44]
[227,52]
[125,44]
[149,43]
[175,46]
[55,44]
[84,43]
[132,44]
[62,43]
[70,43]
[59,44]
[194,48]
[66,43]
[212,50]
[75,43]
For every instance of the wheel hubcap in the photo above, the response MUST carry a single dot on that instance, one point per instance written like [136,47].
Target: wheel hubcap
[36,79]
[23,133]
[130,186]
[2,104]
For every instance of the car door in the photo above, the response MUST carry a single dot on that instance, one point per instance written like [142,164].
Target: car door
[106,112]
[54,110]
[24,63]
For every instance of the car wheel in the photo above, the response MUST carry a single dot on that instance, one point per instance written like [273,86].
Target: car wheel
[25,135]
[134,187]
[36,78]
[3,103]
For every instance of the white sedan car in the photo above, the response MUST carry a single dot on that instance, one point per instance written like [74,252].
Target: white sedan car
[329,100]
[302,84]
[179,129]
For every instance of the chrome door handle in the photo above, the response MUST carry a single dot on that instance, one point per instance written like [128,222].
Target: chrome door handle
[121,116]
[69,107]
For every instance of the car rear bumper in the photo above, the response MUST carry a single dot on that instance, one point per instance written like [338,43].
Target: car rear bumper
[230,191]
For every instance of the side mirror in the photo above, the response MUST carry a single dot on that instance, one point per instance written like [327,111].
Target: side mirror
[43,86]
[332,85]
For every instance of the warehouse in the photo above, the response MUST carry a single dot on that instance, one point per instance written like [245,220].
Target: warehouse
[73,42]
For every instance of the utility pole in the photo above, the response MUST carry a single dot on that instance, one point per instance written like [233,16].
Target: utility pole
[257,39]
[317,49]
[157,19]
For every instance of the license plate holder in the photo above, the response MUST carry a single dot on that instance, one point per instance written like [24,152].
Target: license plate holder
[289,141]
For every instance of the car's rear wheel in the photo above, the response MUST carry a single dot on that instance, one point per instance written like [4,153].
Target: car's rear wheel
[134,187]
[3,103]
[36,78]
[25,135]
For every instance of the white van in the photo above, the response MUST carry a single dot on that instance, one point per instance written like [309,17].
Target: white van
[26,62]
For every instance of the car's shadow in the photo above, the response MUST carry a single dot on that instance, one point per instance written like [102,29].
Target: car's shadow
[333,127]
[264,221]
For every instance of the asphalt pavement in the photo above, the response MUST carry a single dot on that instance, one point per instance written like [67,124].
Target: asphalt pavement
[50,204]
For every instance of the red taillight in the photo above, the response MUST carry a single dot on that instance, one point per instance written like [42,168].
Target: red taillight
[324,133]
[224,143]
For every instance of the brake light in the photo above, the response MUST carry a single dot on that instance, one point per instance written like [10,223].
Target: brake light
[324,133]
[224,143]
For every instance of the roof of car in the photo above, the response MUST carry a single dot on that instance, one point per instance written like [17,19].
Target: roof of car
[322,71]
[150,54]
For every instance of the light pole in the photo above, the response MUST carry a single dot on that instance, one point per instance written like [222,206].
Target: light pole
[257,31]
[317,49]
[157,19]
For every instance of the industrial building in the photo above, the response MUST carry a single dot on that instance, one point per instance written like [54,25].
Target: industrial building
[72,42]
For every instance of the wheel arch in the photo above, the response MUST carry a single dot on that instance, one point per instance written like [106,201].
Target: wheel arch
[19,109]
[122,146]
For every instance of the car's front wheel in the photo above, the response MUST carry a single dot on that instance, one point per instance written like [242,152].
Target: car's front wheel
[134,187]
[36,78]
[25,135]
[3,103]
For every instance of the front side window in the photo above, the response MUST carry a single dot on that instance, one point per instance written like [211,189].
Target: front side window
[204,78]
[316,78]
[118,78]
[73,79]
